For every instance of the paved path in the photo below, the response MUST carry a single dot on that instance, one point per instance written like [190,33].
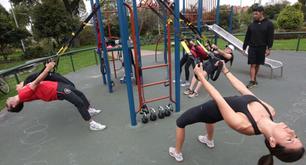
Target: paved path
[54,133]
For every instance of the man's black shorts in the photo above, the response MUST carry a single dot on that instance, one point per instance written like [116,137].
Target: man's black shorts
[256,55]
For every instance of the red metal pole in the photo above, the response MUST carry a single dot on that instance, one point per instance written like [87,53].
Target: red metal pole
[157,99]
[154,66]
[139,85]
[155,83]
[169,62]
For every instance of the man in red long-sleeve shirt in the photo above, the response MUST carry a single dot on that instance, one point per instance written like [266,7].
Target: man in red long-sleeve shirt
[40,89]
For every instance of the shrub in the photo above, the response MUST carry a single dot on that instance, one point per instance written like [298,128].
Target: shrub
[291,17]
[87,37]
[35,52]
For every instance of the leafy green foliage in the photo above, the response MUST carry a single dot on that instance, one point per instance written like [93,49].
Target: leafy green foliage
[9,34]
[303,2]
[22,13]
[272,11]
[291,17]
[225,16]
[51,19]
[87,37]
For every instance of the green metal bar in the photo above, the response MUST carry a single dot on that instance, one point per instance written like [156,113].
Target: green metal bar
[298,43]
[17,78]
[95,55]
[72,64]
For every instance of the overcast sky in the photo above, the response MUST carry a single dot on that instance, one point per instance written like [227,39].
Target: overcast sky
[6,4]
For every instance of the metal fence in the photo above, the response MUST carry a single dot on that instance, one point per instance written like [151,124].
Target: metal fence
[29,64]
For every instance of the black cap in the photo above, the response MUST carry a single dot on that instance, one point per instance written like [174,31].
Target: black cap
[17,109]
[257,7]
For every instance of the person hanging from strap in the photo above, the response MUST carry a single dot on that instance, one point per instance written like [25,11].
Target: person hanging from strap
[49,87]
[209,67]
[187,60]
[246,114]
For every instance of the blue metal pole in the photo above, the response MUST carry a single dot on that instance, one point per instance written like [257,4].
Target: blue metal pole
[126,56]
[102,36]
[137,31]
[184,7]
[98,51]
[184,13]
[217,18]
[230,23]
[177,55]
[200,15]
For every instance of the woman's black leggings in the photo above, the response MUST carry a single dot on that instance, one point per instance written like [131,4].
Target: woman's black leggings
[187,61]
[76,97]
[205,113]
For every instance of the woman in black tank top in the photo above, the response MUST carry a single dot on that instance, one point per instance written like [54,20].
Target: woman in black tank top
[245,114]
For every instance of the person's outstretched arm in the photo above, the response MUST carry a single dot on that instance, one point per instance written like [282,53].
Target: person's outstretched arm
[42,75]
[241,88]
[235,82]
[222,52]
[230,116]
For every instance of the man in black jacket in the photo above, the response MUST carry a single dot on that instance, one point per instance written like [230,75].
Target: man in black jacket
[259,38]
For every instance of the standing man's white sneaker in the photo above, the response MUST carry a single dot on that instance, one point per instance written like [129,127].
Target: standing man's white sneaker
[177,156]
[94,126]
[204,140]
[93,111]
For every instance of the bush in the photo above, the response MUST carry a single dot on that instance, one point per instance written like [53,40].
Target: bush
[291,17]
[148,39]
[87,37]
[275,24]
[35,52]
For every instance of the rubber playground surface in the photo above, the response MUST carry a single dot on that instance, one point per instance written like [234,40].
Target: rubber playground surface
[55,134]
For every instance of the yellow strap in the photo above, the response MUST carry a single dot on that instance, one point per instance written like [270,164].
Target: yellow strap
[199,43]
[64,50]
[169,21]
[183,43]
[60,50]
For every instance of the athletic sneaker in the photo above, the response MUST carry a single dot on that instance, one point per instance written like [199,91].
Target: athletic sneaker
[193,94]
[94,126]
[251,84]
[185,83]
[188,91]
[203,139]
[93,111]
[177,156]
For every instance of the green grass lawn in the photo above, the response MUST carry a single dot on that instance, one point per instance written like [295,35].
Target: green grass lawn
[289,44]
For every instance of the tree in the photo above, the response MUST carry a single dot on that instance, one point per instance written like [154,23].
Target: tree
[291,17]
[303,2]
[272,11]
[22,13]
[27,2]
[224,18]
[72,6]
[148,22]
[9,35]
[50,19]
